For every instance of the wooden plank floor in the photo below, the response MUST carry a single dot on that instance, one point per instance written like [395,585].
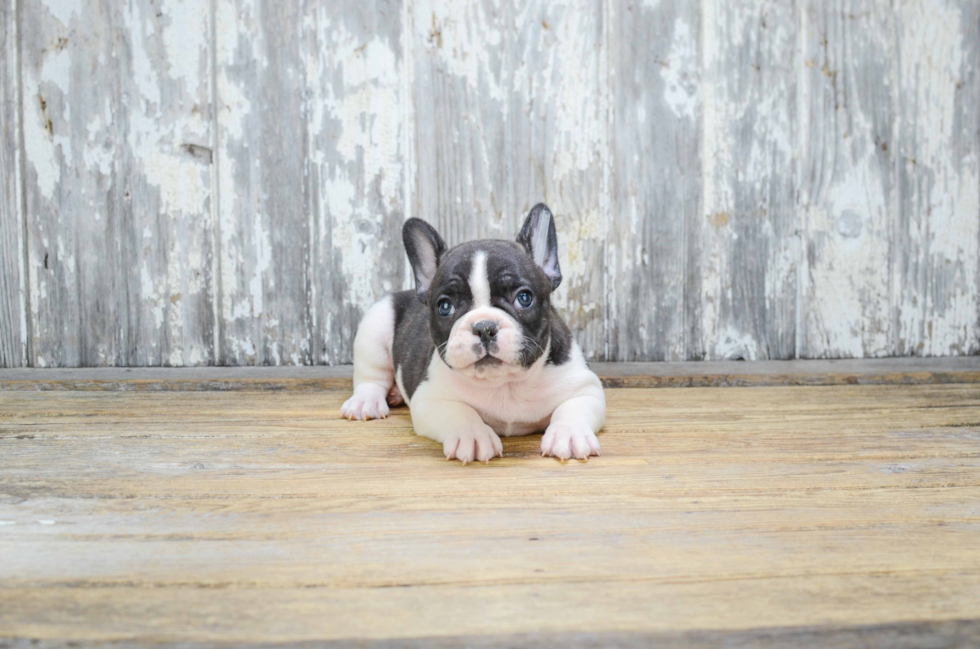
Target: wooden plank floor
[818,514]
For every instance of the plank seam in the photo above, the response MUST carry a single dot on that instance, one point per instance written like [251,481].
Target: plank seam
[706,16]
[26,316]
[215,226]
[408,105]
[607,102]
[410,189]
[975,348]
[801,226]
[895,198]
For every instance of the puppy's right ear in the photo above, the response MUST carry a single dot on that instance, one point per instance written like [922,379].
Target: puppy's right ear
[425,248]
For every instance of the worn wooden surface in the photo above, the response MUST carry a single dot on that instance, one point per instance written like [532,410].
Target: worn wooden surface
[310,157]
[886,371]
[938,116]
[749,247]
[13,334]
[847,177]
[225,183]
[510,112]
[956,634]
[264,285]
[797,512]
[117,164]
[655,273]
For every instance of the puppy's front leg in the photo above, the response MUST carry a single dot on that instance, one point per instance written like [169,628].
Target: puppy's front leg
[574,424]
[462,432]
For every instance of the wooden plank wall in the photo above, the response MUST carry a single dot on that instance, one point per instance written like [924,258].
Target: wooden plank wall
[223,182]
[13,327]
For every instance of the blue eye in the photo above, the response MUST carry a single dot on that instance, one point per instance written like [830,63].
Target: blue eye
[524,299]
[445,307]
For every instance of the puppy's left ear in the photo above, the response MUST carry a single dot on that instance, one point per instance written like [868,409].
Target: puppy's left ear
[541,242]
[425,248]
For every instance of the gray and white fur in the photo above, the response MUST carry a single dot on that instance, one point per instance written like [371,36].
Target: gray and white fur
[477,351]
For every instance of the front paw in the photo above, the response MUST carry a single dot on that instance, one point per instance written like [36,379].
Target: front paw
[477,443]
[565,441]
[368,402]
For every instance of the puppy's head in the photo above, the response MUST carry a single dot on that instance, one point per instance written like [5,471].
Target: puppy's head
[489,301]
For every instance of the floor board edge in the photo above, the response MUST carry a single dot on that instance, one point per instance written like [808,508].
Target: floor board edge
[890,371]
[947,634]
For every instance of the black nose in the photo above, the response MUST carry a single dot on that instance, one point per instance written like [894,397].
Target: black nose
[486,330]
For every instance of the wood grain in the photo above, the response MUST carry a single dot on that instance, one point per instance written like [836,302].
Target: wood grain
[225,184]
[890,115]
[199,517]
[749,244]
[654,291]
[358,163]
[938,196]
[847,179]
[117,163]
[310,171]
[509,103]
[13,297]
[263,218]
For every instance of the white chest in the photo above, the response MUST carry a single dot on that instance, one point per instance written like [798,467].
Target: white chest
[514,408]
[516,405]
[515,428]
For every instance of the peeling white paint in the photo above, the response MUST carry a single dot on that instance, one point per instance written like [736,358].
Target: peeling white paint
[714,157]
[531,86]
[48,147]
[367,108]
[578,125]
[98,152]
[680,74]
[57,70]
[735,345]
[944,199]
[181,180]
[463,42]
[263,261]
[183,42]
[575,234]
[64,10]
[847,293]
[743,173]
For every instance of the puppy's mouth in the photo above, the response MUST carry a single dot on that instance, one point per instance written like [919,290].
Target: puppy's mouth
[488,361]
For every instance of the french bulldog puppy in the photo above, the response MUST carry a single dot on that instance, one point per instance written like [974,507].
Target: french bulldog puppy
[477,351]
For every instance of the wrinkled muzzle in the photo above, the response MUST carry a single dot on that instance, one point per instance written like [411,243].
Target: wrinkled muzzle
[483,339]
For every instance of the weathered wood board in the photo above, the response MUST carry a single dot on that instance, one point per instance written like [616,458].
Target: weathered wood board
[13,312]
[264,517]
[510,100]
[264,247]
[310,166]
[890,188]
[847,175]
[654,241]
[116,132]
[225,183]
[749,242]
[359,163]
[938,178]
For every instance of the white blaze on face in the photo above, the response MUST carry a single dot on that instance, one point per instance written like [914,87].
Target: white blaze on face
[479,281]
[464,348]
